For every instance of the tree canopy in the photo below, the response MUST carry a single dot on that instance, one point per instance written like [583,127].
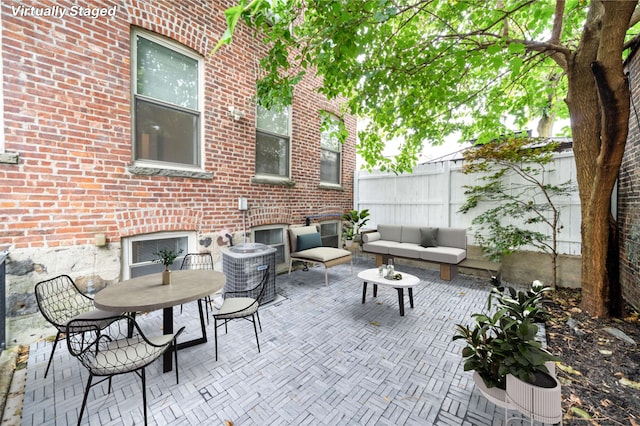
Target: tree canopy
[420,70]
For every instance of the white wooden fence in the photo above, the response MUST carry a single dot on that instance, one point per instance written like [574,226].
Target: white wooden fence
[434,192]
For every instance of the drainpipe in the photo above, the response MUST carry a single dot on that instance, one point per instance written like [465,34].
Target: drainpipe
[3,301]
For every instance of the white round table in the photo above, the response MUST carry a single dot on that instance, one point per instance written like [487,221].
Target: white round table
[408,281]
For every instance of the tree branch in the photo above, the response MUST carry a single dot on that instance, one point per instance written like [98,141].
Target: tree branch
[557,22]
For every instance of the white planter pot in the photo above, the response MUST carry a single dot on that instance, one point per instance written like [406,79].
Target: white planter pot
[496,395]
[543,404]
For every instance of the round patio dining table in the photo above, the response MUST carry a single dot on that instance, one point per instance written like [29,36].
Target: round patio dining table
[147,293]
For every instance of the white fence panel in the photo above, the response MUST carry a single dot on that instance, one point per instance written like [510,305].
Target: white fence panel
[433,194]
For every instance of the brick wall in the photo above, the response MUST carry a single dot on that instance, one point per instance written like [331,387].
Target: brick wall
[629,195]
[68,115]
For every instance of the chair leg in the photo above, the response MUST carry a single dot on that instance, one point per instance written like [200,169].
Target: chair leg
[326,276]
[259,324]
[84,400]
[253,319]
[215,334]
[55,342]
[175,358]
[144,394]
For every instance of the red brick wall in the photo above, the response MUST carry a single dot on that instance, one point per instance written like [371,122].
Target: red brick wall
[68,115]
[629,196]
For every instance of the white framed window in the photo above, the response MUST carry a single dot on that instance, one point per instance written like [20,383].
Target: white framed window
[167,101]
[272,236]
[138,252]
[330,150]
[273,142]
[329,233]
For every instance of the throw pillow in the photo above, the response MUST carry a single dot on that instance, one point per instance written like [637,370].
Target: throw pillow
[308,241]
[429,237]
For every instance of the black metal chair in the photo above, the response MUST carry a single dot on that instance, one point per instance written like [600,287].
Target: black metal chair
[198,261]
[113,350]
[60,301]
[241,308]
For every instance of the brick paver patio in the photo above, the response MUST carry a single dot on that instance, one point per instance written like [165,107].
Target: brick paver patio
[327,359]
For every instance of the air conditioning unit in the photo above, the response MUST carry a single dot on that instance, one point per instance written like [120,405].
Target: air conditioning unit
[244,266]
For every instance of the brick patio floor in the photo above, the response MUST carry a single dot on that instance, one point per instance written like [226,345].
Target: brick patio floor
[327,359]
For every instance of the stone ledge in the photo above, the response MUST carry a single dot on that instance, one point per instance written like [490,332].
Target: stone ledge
[9,157]
[154,171]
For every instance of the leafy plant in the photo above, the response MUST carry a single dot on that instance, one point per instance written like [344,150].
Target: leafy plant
[166,257]
[503,340]
[355,220]
[513,183]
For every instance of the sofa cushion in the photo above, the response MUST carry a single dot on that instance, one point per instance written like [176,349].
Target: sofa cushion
[390,232]
[321,254]
[379,247]
[408,250]
[308,241]
[429,237]
[410,234]
[442,254]
[452,237]
[370,237]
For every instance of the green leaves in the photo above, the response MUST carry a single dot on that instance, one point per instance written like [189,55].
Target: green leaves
[503,341]
[418,71]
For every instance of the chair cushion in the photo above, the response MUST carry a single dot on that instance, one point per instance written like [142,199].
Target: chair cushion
[321,254]
[237,307]
[308,241]
[429,237]
[125,355]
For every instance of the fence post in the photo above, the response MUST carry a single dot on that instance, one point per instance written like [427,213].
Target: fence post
[446,202]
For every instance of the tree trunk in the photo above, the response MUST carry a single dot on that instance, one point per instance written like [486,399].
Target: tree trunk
[599,105]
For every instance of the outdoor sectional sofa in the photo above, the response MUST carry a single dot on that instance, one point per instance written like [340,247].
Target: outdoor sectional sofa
[305,245]
[445,246]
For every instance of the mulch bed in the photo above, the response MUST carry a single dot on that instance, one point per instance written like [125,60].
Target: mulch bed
[599,373]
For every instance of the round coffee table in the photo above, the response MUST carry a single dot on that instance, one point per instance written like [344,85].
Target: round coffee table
[408,281]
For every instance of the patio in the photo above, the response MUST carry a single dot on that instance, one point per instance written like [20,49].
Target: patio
[327,359]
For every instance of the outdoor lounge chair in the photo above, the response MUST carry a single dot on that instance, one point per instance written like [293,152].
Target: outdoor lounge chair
[305,245]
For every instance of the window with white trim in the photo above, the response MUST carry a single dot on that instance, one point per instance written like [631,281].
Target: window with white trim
[273,237]
[330,150]
[167,101]
[139,252]
[329,234]
[273,142]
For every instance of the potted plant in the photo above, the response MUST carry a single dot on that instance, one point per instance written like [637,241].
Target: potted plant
[166,257]
[355,220]
[502,343]
[347,234]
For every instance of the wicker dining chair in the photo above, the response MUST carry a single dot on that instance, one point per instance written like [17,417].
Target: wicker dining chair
[199,261]
[60,301]
[241,308]
[112,350]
